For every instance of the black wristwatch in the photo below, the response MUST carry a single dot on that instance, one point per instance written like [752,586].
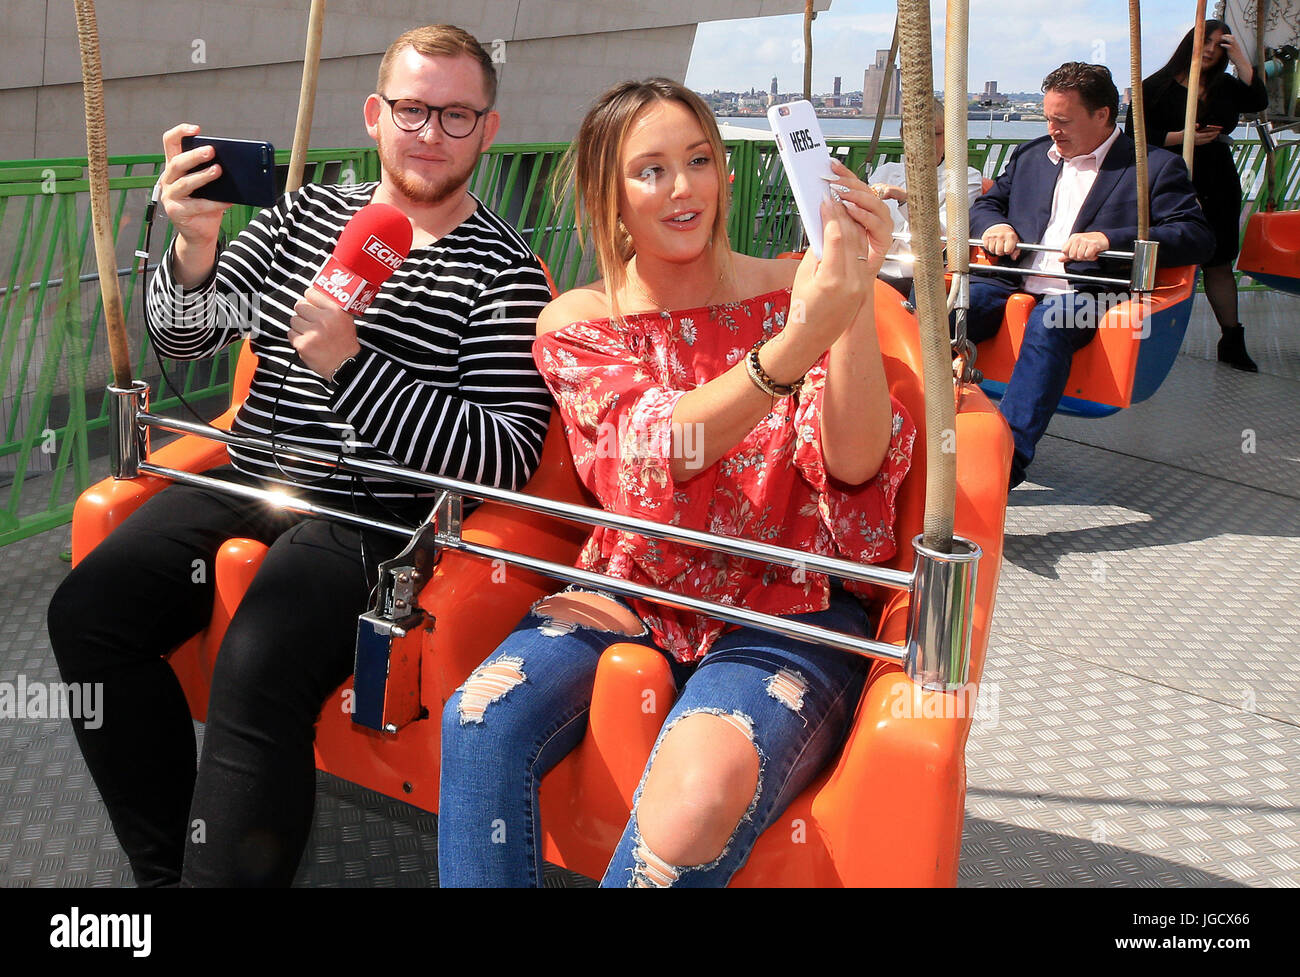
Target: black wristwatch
[346,370]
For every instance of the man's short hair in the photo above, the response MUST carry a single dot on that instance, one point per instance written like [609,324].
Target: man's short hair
[1093,83]
[441,41]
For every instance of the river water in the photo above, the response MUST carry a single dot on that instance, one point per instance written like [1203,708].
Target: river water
[976,128]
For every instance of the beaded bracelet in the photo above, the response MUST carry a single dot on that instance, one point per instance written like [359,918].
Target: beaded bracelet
[761,379]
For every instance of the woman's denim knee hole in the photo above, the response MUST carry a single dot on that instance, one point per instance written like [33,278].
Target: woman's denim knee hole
[555,629]
[651,871]
[489,683]
[787,687]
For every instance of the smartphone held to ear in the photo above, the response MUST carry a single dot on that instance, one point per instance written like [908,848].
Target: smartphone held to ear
[247,170]
[807,163]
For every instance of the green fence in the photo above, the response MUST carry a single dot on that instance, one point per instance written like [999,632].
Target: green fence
[53,356]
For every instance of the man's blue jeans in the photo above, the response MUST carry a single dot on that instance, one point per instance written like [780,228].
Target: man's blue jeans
[794,700]
[1058,327]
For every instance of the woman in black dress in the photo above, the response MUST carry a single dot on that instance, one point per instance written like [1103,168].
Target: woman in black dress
[1221,100]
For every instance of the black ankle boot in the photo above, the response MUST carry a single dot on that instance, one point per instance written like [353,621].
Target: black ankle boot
[1232,349]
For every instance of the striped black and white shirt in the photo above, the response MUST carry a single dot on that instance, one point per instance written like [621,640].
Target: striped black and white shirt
[445,381]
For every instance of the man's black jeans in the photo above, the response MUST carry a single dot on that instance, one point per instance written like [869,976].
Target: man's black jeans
[245,817]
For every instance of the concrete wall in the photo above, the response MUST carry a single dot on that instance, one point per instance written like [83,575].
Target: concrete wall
[234,66]
[545,104]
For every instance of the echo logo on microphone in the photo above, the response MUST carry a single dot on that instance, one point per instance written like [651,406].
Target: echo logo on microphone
[381,252]
[352,292]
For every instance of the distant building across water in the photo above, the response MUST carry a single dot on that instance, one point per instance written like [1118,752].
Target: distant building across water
[873,79]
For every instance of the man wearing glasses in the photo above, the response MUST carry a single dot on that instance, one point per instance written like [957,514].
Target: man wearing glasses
[436,375]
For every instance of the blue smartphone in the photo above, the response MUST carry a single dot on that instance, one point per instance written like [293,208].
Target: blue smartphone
[247,170]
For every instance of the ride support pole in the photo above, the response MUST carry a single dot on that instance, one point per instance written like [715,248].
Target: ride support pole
[955,156]
[1138,105]
[808,15]
[1270,157]
[92,83]
[306,95]
[932,311]
[1193,86]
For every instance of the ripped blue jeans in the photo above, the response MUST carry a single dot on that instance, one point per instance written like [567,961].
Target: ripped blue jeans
[526,708]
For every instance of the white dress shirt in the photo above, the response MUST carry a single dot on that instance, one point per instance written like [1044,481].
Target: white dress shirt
[895,174]
[1078,174]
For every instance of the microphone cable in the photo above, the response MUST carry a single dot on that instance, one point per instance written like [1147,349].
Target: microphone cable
[142,255]
[142,270]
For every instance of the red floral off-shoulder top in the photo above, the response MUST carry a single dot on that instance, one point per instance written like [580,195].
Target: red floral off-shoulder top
[617,382]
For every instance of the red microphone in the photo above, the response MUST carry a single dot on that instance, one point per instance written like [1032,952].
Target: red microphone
[372,246]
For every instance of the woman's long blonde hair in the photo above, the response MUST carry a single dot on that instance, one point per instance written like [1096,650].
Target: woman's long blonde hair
[592,169]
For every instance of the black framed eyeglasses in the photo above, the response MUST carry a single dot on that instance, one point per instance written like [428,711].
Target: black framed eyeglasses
[412,115]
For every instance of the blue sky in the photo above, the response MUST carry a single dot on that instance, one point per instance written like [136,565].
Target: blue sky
[1011,41]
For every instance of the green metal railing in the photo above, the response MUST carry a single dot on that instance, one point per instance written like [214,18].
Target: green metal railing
[53,358]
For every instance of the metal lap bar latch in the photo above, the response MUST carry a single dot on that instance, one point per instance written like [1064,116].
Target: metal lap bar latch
[390,636]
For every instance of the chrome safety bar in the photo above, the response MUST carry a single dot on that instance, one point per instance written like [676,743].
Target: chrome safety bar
[130,439]
[1274,128]
[1032,272]
[281,500]
[978,243]
[942,585]
[561,571]
[883,576]
[1141,278]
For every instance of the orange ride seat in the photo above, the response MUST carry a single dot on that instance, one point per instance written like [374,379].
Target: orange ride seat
[1270,250]
[1132,353]
[887,811]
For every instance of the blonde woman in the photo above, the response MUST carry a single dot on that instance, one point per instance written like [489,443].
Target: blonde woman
[707,389]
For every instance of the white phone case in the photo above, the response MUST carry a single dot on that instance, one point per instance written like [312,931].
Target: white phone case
[806,159]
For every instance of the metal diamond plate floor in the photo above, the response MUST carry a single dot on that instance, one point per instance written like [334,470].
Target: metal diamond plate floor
[1140,724]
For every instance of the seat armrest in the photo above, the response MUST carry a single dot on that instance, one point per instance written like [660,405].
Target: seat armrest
[903,772]
[106,504]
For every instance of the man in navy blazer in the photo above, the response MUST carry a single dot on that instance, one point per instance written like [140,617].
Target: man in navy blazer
[1075,188]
